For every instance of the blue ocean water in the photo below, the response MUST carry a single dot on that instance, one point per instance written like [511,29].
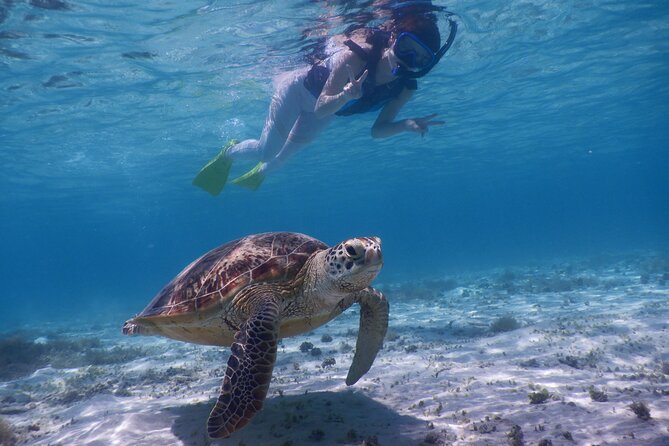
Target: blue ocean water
[555,144]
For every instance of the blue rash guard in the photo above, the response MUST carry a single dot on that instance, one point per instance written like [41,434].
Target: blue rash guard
[373,96]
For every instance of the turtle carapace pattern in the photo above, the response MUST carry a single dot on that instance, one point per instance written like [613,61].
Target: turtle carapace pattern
[251,292]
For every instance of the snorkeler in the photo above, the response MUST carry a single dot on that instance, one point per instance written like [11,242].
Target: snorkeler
[374,68]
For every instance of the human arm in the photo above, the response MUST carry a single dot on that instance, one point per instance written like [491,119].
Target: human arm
[385,124]
[341,86]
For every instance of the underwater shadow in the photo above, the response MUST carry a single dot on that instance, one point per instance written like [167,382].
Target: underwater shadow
[346,417]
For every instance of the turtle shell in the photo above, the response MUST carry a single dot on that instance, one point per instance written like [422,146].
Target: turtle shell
[216,277]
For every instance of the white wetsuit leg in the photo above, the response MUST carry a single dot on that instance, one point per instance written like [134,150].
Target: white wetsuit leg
[284,110]
[306,129]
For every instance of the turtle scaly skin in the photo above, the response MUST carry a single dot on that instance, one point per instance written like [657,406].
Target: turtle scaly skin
[251,292]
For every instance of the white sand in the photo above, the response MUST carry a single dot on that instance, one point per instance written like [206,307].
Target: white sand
[442,378]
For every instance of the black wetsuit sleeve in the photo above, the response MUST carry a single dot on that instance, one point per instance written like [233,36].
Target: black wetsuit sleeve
[411,84]
[315,80]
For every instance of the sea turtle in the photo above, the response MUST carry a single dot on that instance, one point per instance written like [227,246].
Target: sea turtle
[251,292]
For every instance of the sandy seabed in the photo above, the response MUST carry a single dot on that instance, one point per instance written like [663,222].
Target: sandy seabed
[575,353]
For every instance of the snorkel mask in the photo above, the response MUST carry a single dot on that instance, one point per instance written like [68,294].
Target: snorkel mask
[417,59]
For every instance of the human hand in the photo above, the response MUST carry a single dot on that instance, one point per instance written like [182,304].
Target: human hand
[353,90]
[421,125]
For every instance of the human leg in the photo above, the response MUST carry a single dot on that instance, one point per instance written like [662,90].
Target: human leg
[279,141]
[304,131]
[283,112]
[247,149]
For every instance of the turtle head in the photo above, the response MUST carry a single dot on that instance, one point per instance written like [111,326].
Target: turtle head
[353,264]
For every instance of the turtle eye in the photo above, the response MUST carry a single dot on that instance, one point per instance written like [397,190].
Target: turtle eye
[355,250]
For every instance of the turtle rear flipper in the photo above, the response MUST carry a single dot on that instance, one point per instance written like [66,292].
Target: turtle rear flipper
[249,370]
[373,326]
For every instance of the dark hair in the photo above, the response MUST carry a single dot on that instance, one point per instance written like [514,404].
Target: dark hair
[423,26]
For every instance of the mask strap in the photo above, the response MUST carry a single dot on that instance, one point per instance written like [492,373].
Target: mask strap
[449,41]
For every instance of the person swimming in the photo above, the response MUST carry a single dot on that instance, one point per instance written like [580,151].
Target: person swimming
[372,69]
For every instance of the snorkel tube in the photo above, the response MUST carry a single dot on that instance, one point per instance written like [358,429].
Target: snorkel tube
[404,72]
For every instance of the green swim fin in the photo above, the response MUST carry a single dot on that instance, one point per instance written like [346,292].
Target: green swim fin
[214,174]
[251,179]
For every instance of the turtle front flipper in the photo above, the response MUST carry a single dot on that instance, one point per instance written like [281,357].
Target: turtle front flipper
[249,371]
[373,326]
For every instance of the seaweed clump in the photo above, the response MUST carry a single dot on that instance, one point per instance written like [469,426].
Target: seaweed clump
[316,435]
[504,323]
[7,437]
[539,397]
[424,290]
[20,356]
[641,410]
[665,367]
[370,441]
[571,361]
[515,436]
[598,395]
[328,362]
